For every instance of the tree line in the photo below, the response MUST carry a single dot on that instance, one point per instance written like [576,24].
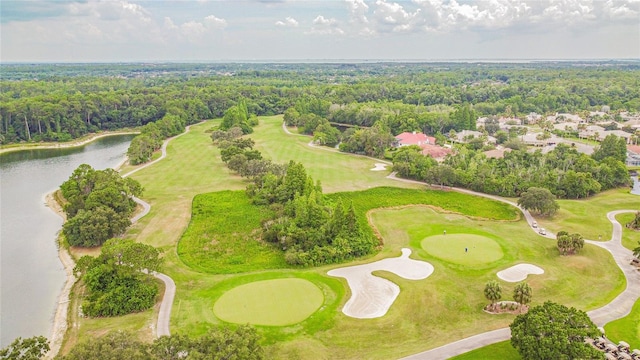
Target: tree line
[239,343]
[59,103]
[564,171]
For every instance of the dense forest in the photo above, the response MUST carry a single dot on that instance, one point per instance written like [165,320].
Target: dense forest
[59,102]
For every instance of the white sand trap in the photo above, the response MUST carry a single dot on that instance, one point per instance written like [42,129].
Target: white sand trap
[519,272]
[379,167]
[371,296]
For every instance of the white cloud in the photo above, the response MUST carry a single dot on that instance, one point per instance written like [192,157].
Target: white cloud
[324,26]
[393,17]
[215,22]
[288,22]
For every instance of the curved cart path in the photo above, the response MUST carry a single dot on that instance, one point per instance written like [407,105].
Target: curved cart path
[618,308]
[164,314]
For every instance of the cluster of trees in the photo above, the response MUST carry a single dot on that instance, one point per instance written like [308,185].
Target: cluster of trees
[304,224]
[239,116]
[569,244]
[151,136]
[59,103]
[98,205]
[564,171]
[118,280]
[33,348]
[241,343]
[521,293]
[553,331]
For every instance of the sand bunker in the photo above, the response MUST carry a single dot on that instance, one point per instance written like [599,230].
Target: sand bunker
[379,167]
[519,272]
[371,296]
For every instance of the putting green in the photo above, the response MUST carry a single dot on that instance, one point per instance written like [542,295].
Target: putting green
[276,302]
[481,250]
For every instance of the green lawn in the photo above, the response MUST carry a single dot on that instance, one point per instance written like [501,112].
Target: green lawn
[589,216]
[275,302]
[463,248]
[630,237]
[502,350]
[626,329]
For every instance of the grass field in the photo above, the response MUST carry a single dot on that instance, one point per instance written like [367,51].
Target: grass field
[589,216]
[502,350]
[429,313]
[630,238]
[336,171]
[276,302]
[626,329]
[463,248]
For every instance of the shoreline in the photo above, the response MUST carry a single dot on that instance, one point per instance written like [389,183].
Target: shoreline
[63,145]
[60,323]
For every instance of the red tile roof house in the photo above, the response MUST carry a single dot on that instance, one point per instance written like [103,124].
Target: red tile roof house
[414,138]
[427,143]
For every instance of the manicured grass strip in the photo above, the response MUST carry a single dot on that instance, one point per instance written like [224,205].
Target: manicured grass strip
[275,302]
[630,237]
[502,350]
[450,201]
[224,235]
[463,249]
[626,329]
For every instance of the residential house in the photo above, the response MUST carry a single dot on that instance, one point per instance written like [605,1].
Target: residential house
[465,135]
[425,142]
[633,155]
[593,132]
[619,133]
[435,151]
[533,118]
[566,126]
[414,138]
[497,153]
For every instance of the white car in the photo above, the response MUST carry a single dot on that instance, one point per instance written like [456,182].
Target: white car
[534,224]
[542,231]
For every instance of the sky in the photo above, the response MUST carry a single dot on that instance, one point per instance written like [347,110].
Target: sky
[306,30]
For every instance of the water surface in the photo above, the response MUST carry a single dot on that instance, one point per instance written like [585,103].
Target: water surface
[31,275]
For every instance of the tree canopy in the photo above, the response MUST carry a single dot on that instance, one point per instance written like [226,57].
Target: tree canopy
[33,348]
[553,331]
[98,205]
[241,343]
[539,200]
[117,280]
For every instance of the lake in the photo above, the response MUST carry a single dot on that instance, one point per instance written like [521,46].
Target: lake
[31,275]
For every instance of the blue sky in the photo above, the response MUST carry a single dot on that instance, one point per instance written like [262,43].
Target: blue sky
[219,30]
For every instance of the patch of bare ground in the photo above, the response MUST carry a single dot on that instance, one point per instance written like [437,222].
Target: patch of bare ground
[506,307]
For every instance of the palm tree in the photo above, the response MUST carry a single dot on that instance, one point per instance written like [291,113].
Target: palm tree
[522,294]
[636,252]
[493,291]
